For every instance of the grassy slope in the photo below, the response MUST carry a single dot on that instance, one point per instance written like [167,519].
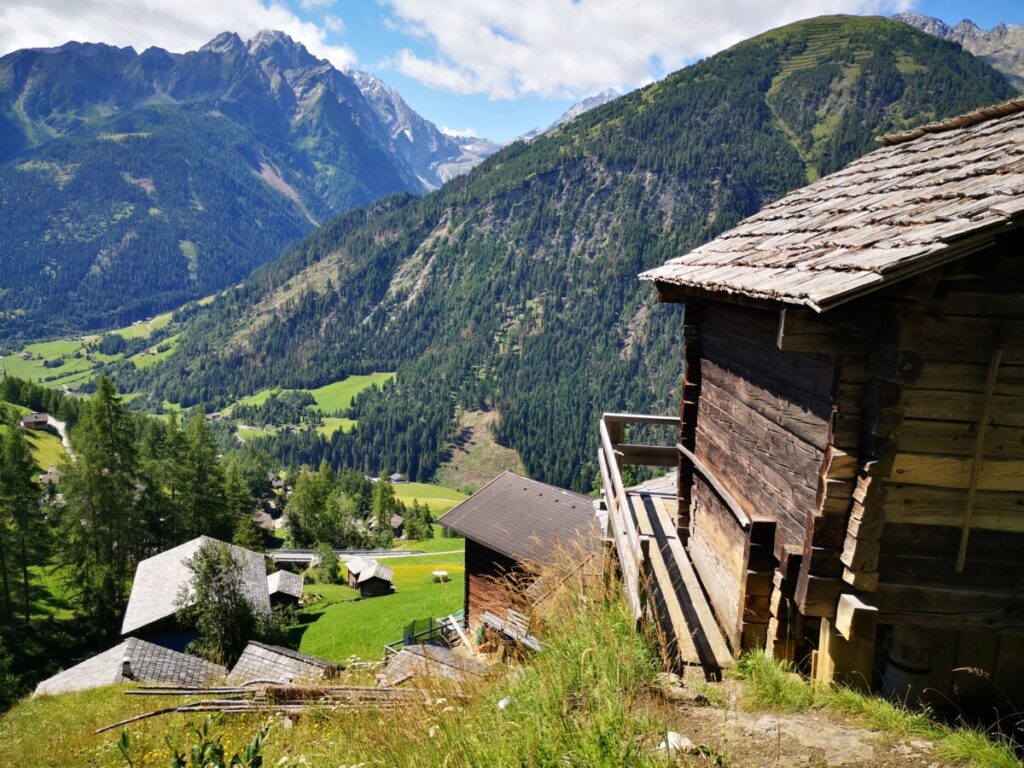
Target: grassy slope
[46,449]
[477,458]
[439,498]
[332,398]
[570,705]
[333,423]
[336,628]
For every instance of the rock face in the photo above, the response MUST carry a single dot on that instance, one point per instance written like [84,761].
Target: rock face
[433,155]
[577,109]
[1002,46]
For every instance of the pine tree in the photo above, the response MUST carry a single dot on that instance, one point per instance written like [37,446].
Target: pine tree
[383,505]
[101,530]
[20,497]
[204,508]
[240,503]
[5,525]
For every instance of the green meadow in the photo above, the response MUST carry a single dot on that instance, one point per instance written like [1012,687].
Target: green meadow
[339,626]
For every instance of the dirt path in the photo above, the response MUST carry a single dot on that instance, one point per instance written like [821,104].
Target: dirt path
[728,736]
[62,430]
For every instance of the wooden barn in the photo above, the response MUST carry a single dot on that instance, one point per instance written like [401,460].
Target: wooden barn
[850,440]
[512,525]
[375,580]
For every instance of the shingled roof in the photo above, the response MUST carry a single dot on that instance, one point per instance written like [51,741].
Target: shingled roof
[376,571]
[158,580]
[260,661]
[930,196]
[523,519]
[285,583]
[147,663]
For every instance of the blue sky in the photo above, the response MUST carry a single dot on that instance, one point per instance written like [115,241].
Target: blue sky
[374,36]
[496,68]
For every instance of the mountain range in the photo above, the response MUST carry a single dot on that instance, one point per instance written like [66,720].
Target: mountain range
[1002,46]
[513,288]
[133,182]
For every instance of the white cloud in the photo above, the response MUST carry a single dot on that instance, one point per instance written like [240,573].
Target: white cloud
[458,133]
[177,25]
[568,48]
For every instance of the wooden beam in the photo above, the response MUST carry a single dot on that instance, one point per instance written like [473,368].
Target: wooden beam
[855,618]
[979,448]
[723,493]
[648,455]
[847,661]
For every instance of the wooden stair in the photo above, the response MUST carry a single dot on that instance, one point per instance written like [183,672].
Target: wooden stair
[690,632]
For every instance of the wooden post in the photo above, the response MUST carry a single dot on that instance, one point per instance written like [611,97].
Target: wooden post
[688,404]
[846,646]
[979,448]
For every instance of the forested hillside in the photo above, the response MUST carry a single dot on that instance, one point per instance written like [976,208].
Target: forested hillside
[131,183]
[515,287]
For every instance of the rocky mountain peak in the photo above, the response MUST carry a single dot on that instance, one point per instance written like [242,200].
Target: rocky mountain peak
[225,43]
[1002,46]
[928,24]
[273,46]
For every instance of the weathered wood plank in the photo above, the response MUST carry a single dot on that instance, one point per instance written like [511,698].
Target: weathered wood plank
[944,542]
[949,609]
[968,377]
[818,597]
[945,405]
[922,505]
[925,570]
[957,438]
[955,472]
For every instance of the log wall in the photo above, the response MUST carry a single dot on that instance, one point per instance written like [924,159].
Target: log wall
[762,425]
[487,582]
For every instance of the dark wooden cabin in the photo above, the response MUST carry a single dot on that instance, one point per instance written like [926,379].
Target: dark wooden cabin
[512,526]
[851,431]
[375,580]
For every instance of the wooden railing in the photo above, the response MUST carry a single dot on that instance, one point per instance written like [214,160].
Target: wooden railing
[614,453]
[716,485]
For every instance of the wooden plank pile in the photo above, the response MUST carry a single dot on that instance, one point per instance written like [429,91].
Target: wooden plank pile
[272,698]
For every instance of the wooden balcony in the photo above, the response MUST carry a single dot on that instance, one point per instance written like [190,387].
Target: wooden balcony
[658,577]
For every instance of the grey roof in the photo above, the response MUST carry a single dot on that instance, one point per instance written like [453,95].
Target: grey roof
[524,519]
[376,571]
[431,660]
[260,661]
[925,199]
[396,521]
[285,583]
[359,564]
[148,663]
[158,580]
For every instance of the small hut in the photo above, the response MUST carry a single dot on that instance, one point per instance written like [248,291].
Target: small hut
[285,588]
[260,661]
[511,525]
[375,580]
[133,660]
[153,604]
[356,566]
[851,431]
[397,523]
[35,421]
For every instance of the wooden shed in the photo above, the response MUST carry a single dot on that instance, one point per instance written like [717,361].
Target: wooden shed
[512,525]
[851,431]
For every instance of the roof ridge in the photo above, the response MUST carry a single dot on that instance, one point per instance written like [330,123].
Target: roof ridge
[981,115]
